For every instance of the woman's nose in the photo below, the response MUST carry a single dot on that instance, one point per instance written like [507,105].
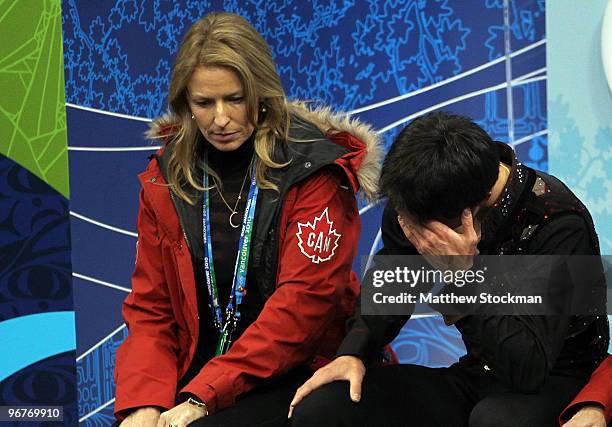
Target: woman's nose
[221,116]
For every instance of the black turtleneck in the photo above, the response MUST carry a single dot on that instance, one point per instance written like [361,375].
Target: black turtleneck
[231,167]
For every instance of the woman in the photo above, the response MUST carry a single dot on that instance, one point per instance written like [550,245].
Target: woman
[248,227]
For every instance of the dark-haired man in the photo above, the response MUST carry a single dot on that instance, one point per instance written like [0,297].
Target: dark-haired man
[453,191]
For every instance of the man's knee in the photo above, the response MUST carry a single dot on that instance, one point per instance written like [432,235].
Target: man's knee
[326,406]
[491,412]
[511,410]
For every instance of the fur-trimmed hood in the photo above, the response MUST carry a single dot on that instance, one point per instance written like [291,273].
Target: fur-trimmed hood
[327,122]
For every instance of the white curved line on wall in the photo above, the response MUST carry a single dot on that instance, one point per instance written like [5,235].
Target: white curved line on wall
[526,81]
[449,80]
[101,224]
[119,149]
[99,343]
[529,137]
[518,80]
[108,113]
[524,77]
[101,282]
[368,207]
[442,104]
[372,250]
[95,411]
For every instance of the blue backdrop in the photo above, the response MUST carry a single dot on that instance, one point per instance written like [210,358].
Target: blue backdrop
[385,61]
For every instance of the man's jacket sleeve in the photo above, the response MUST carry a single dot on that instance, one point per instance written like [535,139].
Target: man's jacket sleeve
[598,390]
[367,335]
[320,230]
[146,368]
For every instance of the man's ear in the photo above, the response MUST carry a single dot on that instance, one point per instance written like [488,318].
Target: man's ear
[484,203]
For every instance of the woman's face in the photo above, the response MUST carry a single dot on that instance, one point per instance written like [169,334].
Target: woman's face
[216,99]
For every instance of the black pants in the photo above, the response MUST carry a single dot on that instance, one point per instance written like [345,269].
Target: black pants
[410,395]
[265,406]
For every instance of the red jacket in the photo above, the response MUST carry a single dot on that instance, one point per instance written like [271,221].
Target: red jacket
[301,323]
[597,390]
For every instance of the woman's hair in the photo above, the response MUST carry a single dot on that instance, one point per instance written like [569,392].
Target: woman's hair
[229,41]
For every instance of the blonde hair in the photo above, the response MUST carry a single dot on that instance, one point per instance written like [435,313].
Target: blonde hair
[226,40]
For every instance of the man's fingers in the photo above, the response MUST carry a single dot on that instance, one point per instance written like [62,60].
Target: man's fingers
[421,237]
[468,224]
[300,394]
[343,368]
[413,233]
[427,235]
[355,381]
[405,226]
[320,378]
[312,384]
[438,228]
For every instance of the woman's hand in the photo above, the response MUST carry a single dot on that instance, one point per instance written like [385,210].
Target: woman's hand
[143,417]
[181,415]
[348,368]
[588,416]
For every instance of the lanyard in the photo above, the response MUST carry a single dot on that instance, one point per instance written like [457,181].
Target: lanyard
[238,291]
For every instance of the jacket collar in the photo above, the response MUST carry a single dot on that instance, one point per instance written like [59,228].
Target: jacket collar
[498,221]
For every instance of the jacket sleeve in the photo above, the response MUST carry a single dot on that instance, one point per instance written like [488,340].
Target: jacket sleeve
[598,390]
[146,363]
[368,334]
[317,247]
[521,350]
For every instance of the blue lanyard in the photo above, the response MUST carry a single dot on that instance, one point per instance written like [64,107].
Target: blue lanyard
[232,312]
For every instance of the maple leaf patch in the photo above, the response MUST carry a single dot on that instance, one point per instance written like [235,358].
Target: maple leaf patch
[318,239]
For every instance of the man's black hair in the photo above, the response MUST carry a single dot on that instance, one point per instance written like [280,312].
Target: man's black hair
[439,165]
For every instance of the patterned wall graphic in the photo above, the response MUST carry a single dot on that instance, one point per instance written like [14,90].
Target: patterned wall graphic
[580,112]
[37,335]
[33,119]
[36,319]
[385,61]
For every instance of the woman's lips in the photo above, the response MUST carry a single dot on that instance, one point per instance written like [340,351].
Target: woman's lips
[224,137]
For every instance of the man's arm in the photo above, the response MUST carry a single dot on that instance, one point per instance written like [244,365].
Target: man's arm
[369,333]
[366,335]
[521,350]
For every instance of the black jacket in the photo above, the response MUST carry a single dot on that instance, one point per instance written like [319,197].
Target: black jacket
[537,215]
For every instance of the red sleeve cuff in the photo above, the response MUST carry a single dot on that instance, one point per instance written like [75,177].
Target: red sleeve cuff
[217,394]
[583,400]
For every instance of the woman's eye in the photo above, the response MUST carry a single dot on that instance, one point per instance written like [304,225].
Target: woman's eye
[204,103]
[236,100]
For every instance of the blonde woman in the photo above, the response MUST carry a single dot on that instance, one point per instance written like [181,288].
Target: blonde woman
[248,226]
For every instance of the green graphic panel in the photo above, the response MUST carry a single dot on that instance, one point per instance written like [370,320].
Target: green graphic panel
[32,99]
